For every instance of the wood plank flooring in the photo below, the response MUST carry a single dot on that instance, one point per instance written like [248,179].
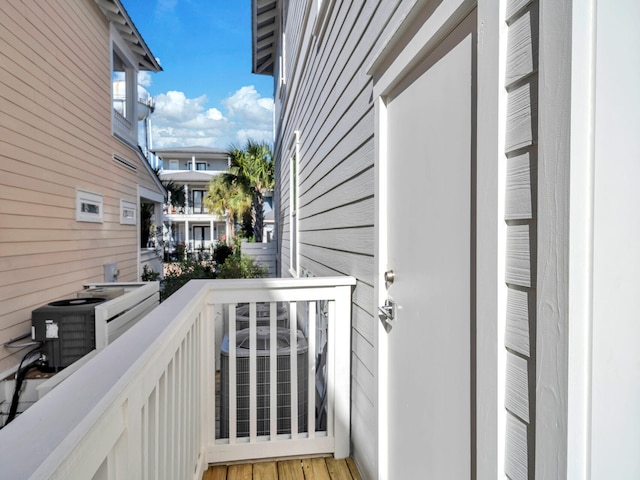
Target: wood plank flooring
[325,468]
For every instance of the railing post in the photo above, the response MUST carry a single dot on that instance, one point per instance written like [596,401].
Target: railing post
[341,338]
[208,357]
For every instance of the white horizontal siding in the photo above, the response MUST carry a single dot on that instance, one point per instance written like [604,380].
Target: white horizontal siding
[328,101]
[521,83]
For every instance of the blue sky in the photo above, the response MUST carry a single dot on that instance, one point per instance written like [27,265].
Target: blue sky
[206,94]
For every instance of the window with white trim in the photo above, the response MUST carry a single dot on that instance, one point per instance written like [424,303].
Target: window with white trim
[128,212]
[88,206]
[124,86]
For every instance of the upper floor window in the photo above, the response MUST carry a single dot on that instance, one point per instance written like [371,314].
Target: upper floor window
[174,165]
[119,79]
[124,93]
[197,200]
[197,165]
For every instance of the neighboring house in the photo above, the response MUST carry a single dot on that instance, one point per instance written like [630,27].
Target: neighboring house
[191,169]
[474,166]
[73,181]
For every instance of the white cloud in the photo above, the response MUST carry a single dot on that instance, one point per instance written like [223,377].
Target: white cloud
[179,121]
[246,105]
[144,79]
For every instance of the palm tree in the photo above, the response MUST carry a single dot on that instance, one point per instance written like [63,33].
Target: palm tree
[176,197]
[253,169]
[226,198]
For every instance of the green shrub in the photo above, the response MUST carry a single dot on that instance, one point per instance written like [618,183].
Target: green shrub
[149,275]
[221,253]
[179,273]
[241,266]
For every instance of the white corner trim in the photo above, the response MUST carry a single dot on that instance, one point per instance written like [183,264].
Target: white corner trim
[148,194]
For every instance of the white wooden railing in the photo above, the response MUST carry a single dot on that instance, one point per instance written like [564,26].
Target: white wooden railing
[145,407]
[116,316]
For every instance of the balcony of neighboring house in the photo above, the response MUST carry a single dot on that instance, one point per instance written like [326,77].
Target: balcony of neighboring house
[188,224]
[191,386]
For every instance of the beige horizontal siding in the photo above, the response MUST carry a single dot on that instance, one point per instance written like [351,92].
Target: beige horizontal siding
[55,138]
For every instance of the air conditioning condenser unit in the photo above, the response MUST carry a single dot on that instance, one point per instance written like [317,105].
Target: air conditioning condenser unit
[66,329]
[263,367]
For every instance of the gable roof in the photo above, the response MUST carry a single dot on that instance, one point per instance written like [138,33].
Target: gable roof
[265,22]
[118,16]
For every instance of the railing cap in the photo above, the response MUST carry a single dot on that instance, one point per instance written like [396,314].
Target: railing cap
[271,283]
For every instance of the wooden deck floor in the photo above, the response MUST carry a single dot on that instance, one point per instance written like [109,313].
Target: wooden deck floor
[325,468]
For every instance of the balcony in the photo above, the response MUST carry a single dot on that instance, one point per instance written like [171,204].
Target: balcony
[172,395]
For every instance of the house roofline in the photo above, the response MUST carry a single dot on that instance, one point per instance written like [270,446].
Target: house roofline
[265,28]
[119,18]
[195,150]
[152,172]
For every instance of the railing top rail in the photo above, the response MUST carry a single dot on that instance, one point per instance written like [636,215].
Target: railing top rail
[280,283]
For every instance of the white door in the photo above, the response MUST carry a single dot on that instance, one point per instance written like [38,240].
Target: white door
[430,154]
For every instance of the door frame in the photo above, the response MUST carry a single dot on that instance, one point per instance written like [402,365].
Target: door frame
[413,39]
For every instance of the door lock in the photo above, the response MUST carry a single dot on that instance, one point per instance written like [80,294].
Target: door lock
[387,312]
[389,276]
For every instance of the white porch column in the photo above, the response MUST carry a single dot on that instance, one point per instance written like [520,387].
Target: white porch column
[193,162]
[186,234]
[212,234]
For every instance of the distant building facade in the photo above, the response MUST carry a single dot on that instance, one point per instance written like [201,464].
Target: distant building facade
[191,226]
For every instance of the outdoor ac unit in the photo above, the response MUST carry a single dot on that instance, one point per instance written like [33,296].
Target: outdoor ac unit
[263,313]
[283,387]
[66,328]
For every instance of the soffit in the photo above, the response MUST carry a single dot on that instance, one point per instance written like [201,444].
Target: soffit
[119,18]
[265,23]
[188,152]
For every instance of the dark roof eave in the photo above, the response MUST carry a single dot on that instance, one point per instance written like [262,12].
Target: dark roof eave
[265,35]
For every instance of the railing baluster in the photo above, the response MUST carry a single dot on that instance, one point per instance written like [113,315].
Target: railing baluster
[253,404]
[293,370]
[311,371]
[177,387]
[154,421]
[331,365]
[171,410]
[144,448]
[164,433]
[273,370]
[233,387]
[189,390]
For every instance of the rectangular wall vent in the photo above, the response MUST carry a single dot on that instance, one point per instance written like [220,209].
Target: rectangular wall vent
[124,162]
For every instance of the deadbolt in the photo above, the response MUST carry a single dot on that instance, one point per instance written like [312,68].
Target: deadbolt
[389,276]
